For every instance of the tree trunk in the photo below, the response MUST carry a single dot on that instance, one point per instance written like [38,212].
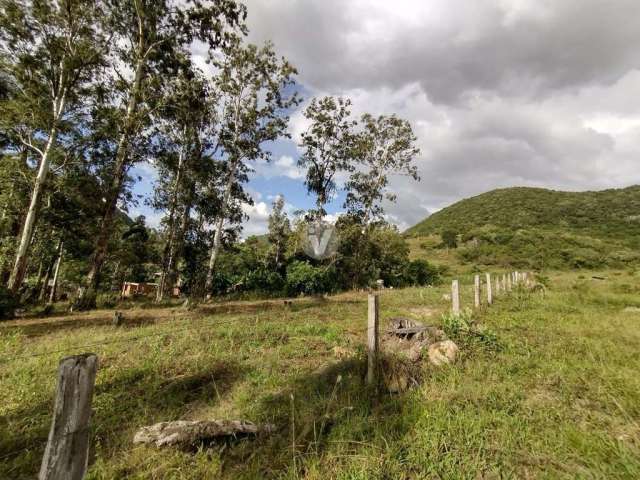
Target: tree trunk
[178,245]
[45,284]
[22,256]
[52,296]
[87,296]
[218,233]
[169,249]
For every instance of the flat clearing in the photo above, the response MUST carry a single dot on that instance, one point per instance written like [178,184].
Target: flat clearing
[557,397]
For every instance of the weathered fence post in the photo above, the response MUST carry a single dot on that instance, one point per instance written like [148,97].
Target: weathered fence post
[504,282]
[489,292]
[67,452]
[476,291]
[497,285]
[455,297]
[509,278]
[372,339]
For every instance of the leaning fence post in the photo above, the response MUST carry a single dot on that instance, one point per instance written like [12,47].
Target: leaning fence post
[67,452]
[476,291]
[372,339]
[455,297]
[489,292]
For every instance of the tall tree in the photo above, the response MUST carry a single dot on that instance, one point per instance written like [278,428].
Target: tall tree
[187,127]
[256,93]
[51,50]
[385,146]
[279,232]
[151,36]
[328,147]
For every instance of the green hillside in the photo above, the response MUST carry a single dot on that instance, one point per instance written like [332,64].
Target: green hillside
[543,228]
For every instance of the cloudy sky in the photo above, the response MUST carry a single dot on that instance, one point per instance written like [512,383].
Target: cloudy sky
[499,92]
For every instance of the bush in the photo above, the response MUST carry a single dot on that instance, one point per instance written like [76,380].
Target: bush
[450,239]
[421,272]
[304,278]
[263,280]
[8,304]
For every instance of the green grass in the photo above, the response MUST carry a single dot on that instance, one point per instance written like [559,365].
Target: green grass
[559,398]
[539,229]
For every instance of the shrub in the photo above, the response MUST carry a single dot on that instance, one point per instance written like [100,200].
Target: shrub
[304,278]
[8,304]
[450,239]
[421,272]
[264,280]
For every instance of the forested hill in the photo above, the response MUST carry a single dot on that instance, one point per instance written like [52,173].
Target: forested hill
[609,213]
[539,228]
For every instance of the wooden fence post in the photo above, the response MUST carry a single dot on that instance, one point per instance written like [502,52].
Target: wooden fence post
[489,292]
[67,452]
[504,282]
[509,278]
[455,297]
[497,285]
[372,339]
[476,291]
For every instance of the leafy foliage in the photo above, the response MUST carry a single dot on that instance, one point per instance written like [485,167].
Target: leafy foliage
[8,303]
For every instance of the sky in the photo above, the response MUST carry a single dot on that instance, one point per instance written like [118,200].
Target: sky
[500,93]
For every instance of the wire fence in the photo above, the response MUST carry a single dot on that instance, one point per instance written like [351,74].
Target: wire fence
[192,328]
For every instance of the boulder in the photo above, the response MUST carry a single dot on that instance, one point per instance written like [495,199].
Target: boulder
[442,353]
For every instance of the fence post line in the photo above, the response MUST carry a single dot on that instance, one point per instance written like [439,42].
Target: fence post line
[489,291]
[372,338]
[476,291]
[67,452]
[455,297]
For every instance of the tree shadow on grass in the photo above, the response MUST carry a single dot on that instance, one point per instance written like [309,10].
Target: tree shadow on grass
[47,326]
[134,398]
[312,413]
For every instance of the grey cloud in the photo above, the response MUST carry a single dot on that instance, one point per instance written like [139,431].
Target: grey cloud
[468,46]
[500,93]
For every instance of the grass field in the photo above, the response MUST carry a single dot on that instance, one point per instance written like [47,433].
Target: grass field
[558,396]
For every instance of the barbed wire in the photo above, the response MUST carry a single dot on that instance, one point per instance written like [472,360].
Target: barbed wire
[7,358]
[192,328]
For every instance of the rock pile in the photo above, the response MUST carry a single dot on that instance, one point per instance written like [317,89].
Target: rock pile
[404,346]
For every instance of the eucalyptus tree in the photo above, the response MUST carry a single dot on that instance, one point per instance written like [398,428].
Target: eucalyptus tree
[52,51]
[211,184]
[151,36]
[187,127]
[279,232]
[384,146]
[256,93]
[328,147]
